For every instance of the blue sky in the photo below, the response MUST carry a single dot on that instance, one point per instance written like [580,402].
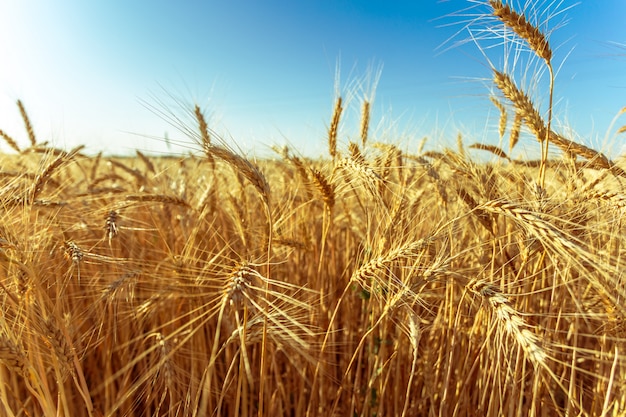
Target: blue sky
[265,72]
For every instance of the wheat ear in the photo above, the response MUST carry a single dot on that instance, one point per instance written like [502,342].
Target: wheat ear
[146,161]
[527,111]
[490,148]
[325,187]
[523,104]
[10,141]
[250,171]
[365,121]
[503,115]
[510,320]
[44,177]
[333,130]
[538,42]
[523,28]
[362,171]
[27,124]
[355,152]
[13,356]
[203,126]
[368,274]
[515,130]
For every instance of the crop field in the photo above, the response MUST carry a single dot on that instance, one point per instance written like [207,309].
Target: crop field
[373,281]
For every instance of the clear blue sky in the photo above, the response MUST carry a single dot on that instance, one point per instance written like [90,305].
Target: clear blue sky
[265,70]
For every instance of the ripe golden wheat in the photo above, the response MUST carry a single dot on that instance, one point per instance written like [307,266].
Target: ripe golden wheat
[378,282]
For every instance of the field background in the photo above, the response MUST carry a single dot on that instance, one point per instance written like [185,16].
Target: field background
[375,281]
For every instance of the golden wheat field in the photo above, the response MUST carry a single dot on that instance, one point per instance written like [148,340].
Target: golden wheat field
[371,282]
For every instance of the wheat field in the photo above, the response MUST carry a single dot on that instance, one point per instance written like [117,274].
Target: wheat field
[371,282]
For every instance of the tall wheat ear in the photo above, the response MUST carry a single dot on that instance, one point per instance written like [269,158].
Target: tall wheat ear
[538,43]
[27,124]
[333,129]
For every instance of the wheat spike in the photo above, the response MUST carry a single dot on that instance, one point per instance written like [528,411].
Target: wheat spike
[333,130]
[365,122]
[526,110]
[326,189]
[203,126]
[251,172]
[515,130]
[511,321]
[355,153]
[374,270]
[44,176]
[60,347]
[362,171]
[27,124]
[523,28]
[523,104]
[503,116]
[146,161]
[459,145]
[111,225]
[490,148]
[10,141]
[13,356]
[156,198]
